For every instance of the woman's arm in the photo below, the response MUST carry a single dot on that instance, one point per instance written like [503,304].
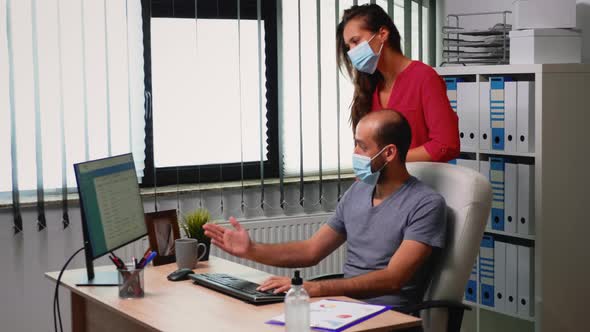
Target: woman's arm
[441,120]
[418,154]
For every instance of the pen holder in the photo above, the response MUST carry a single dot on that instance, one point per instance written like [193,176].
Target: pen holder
[131,283]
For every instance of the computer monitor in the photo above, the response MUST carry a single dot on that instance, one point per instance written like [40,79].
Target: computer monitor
[111,209]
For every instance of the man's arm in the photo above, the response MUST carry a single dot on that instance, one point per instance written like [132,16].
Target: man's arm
[291,254]
[402,266]
[298,253]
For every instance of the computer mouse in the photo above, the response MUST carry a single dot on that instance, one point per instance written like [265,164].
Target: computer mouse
[180,274]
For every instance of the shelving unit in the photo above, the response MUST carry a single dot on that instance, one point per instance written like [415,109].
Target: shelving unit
[483,307]
[518,236]
[561,161]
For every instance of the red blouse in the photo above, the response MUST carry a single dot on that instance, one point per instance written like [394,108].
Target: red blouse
[421,96]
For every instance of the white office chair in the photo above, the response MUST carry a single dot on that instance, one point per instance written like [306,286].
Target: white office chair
[468,195]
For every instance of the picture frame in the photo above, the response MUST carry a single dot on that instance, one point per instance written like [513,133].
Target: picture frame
[163,230]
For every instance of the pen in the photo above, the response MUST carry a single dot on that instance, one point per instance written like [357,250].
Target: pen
[134,262]
[113,260]
[145,256]
[148,260]
[115,256]
[117,262]
[146,253]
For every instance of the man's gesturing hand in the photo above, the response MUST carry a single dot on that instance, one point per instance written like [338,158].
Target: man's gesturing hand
[234,241]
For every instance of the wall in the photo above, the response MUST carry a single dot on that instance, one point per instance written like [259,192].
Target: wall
[26,296]
[467,6]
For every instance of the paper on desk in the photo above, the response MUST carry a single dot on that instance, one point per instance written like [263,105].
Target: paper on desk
[333,315]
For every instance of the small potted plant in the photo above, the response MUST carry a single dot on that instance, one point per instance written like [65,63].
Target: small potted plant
[192,225]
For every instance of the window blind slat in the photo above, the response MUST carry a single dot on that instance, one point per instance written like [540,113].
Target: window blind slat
[432,32]
[319,69]
[107,81]
[41,221]
[17,217]
[128,65]
[301,183]
[408,28]
[64,173]
[281,77]
[261,107]
[85,79]
[390,8]
[420,28]
[242,199]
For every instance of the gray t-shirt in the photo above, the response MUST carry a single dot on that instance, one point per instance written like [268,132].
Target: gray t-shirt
[374,233]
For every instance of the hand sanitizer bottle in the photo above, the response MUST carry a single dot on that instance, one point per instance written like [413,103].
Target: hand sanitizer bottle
[297,306]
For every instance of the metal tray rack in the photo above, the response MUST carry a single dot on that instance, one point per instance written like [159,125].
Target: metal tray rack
[471,47]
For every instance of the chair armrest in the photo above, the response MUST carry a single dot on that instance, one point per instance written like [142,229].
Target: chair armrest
[326,276]
[435,304]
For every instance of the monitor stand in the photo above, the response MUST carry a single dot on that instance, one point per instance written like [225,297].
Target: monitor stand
[101,278]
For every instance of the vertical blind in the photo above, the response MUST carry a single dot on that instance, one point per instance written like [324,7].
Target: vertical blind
[71,90]
[74,90]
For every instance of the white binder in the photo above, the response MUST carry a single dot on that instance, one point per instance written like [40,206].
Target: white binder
[510,93]
[500,275]
[485,138]
[484,169]
[473,164]
[471,288]
[526,188]
[486,271]
[467,111]
[525,282]
[525,117]
[511,279]
[511,198]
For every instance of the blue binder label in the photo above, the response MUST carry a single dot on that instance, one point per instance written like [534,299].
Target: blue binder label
[497,113]
[452,91]
[486,271]
[471,289]
[497,176]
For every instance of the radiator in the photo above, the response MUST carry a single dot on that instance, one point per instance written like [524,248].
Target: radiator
[288,229]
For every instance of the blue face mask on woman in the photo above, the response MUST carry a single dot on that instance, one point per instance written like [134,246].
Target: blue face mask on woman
[363,58]
[362,168]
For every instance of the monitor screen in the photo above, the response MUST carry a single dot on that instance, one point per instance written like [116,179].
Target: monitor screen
[112,211]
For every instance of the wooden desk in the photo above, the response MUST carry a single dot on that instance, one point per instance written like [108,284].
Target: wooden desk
[182,306]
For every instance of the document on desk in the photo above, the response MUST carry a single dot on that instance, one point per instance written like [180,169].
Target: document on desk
[334,315]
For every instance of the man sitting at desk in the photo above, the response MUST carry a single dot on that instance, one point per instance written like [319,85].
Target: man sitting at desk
[393,224]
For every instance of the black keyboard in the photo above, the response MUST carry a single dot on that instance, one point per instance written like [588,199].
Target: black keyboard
[236,287]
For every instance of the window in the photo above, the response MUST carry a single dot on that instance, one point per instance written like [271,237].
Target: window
[214,117]
[206,109]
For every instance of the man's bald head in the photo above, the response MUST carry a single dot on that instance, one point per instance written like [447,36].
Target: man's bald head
[389,127]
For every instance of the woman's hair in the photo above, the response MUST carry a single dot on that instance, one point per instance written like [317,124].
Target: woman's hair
[373,18]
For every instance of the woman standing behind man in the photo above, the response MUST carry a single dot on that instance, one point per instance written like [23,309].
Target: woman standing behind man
[369,48]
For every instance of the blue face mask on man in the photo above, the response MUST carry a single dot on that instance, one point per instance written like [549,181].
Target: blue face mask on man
[363,58]
[362,168]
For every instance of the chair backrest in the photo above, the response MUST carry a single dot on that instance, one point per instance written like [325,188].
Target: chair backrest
[468,195]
